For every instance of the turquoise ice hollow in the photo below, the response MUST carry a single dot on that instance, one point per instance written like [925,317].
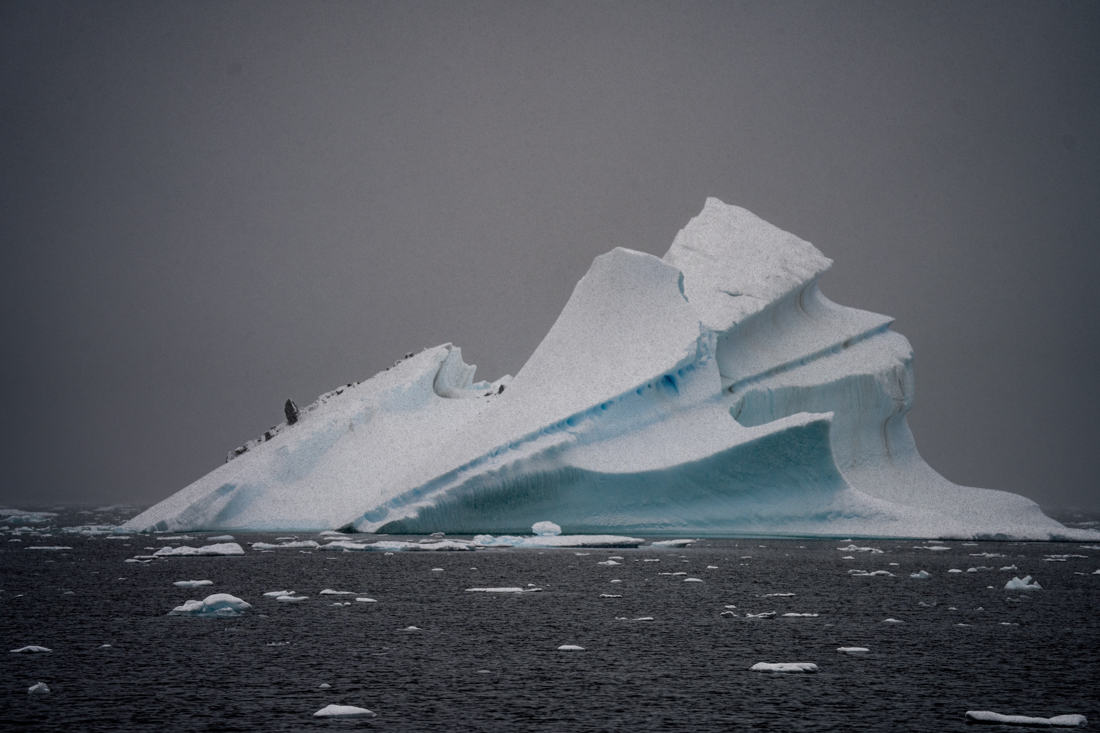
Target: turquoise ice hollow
[712,392]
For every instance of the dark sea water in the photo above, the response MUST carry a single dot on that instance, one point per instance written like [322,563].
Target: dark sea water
[488,662]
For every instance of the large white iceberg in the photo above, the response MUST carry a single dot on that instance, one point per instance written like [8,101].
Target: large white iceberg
[714,391]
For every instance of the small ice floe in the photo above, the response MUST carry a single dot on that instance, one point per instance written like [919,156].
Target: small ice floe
[727,614]
[779,595]
[1090,547]
[324,686]
[365,600]
[219,605]
[892,621]
[38,688]
[502,590]
[986,554]
[712,567]
[853,649]
[609,562]
[570,648]
[412,629]
[609,595]
[277,593]
[550,541]
[922,575]
[104,646]
[224,548]
[1010,567]
[292,545]
[765,614]
[163,538]
[331,592]
[1063,558]
[865,574]
[192,583]
[1024,583]
[291,599]
[341,604]
[848,557]
[731,606]
[32,649]
[1008,623]
[221,538]
[1096,572]
[933,548]
[978,569]
[784,667]
[672,543]
[954,570]
[343,711]
[800,615]
[52,548]
[642,618]
[895,564]
[437,570]
[1058,721]
[853,548]
[648,559]
[692,580]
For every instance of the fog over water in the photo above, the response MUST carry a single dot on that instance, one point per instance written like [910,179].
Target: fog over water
[206,209]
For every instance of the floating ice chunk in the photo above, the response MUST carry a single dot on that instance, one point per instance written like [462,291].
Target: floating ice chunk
[1010,567]
[677,573]
[324,686]
[277,593]
[765,614]
[546,529]
[221,538]
[608,595]
[673,543]
[609,562]
[986,554]
[955,570]
[1063,558]
[53,548]
[437,570]
[30,649]
[495,590]
[922,575]
[692,580]
[892,621]
[648,559]
[225,548]
[853,548]
[343,711]
[365,600]
[784,667]
[848,557]
[391,546]
[570,648]
[727,614]
[218,605]
[800,615]
[1022,584]
[853,649]
[933,548]
[616,580]
[331,592]
[38,688]
[1096,572]
[291,599]
[865,574]
[304,544]
[1058,721]
[779,595]
[192,583]
[712,567]
[412,628]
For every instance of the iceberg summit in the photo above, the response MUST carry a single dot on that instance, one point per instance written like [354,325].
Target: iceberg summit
[711,392]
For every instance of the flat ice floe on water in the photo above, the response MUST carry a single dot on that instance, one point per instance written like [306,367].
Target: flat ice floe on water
[225,548]
[343,711]
[853,649]
[1024,583]
[1058,721]
[219,605]
[192,583]
[38,688]
[570,648]
[784,667]
[31,649]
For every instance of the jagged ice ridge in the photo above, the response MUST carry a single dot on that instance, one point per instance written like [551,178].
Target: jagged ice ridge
[714,391]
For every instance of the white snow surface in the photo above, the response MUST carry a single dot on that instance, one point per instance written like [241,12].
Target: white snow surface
[711,392]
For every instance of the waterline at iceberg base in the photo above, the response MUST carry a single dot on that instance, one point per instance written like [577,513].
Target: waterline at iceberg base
[712,392]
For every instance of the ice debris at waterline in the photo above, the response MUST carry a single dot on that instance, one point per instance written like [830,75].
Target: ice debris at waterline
[1024,583]
[219,605]
[714,391]
[38,688]
[784,667]
[1058,721]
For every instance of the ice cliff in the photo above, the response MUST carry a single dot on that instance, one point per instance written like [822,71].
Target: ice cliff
[714,391]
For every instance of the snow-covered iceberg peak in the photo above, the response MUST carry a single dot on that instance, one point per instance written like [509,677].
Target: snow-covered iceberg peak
[714,391]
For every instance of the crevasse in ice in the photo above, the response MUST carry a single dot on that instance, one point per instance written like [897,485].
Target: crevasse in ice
[714,391]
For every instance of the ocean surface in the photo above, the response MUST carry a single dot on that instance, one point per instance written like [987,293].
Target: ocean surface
[490,662]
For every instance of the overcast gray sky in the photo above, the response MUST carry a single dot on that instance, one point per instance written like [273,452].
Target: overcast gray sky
[208,207]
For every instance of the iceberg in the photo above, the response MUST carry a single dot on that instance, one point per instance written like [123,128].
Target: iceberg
[343,711]
[714,391]
[219,605]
